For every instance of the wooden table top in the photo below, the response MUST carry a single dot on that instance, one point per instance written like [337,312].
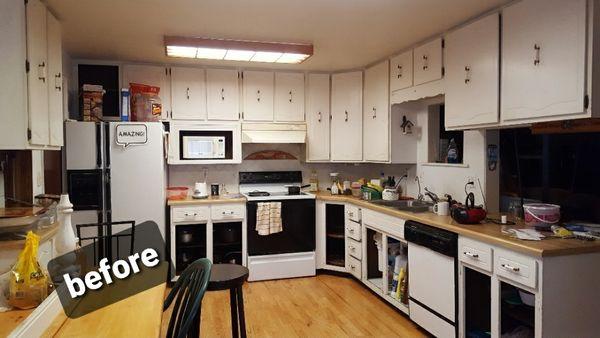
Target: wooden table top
[486,232]
[137,316]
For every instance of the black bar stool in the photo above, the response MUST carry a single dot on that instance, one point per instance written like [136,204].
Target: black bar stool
[231,277]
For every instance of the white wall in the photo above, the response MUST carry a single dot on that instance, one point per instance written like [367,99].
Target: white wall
[37,172]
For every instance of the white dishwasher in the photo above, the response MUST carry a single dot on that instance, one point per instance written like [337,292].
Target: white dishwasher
[432,277]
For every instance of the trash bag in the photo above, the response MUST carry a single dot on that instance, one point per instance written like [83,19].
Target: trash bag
[28,285]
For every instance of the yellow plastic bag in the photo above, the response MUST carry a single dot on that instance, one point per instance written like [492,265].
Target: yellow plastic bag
[28,285]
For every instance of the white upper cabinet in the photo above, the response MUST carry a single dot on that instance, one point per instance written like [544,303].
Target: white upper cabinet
[376,116]
[428,62]
[258,96]
[223,98]
[38,77]
[401,71]
[55,81]
[157,76]
[472,74]
[346,117]
[289,97]
[188,91]
[317,118]
[543,59]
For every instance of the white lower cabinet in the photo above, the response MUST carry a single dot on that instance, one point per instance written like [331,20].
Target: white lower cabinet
[216,231]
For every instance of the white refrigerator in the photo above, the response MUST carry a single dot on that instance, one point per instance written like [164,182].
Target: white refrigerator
[116,172]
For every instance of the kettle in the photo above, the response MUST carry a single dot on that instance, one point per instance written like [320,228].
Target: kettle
[468,213]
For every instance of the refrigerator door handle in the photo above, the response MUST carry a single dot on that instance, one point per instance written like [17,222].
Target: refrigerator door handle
[98,145]
[107,142]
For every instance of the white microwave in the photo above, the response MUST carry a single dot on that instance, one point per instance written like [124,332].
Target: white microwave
[204,143]
[202,147]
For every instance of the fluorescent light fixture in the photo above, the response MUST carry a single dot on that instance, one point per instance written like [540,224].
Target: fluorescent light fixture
[266,56]
[237,50]
[211,53]
[239,55]
[292,58]
[182,52]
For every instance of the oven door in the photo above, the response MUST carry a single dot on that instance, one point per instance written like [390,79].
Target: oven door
[298,235]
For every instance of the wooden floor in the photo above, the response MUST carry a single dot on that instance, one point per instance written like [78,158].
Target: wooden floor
[322,306]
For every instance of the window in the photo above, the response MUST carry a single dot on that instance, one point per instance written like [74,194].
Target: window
[441,140]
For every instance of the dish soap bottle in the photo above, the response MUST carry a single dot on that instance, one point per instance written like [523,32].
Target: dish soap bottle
[314,181]
[452,152]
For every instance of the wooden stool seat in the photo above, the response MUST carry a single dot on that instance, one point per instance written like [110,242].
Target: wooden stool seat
[231,277]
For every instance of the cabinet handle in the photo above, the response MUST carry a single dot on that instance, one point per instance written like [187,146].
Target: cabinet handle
[350,214]
[470,254]
[346,118]
[58,82]
[352,248]
[291,96]
[352,266]
[319,117]
[222,94]
[536,60]
[350,230]
[42,72]
[227,212]
[258,95]
[467,74]
[399,71]
[374,112]
[187,93]
[510,267]
[425,62]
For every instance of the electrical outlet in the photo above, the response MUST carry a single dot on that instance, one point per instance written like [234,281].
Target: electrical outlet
[473,180]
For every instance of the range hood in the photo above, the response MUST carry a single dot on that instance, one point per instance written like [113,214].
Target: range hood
[273,133]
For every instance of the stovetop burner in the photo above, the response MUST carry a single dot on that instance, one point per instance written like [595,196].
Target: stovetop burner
[258,193]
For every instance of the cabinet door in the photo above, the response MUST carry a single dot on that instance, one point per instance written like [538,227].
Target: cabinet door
[317,117]
[428,62]
[258,96]
[223,97]
[346,117]
[543,59]
[38,77]
[188,90]
[289,97]
[472,73]
[401,71]
[157,76]
[376,120]
[55,84]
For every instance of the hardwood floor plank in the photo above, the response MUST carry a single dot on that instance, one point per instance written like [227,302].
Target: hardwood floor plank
[321,306]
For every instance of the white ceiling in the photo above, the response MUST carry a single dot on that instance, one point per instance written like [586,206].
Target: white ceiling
[346,33]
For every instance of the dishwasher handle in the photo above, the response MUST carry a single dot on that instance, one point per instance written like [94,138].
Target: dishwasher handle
[438,240]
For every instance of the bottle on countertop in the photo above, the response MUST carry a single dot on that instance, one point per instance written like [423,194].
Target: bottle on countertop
[314,181]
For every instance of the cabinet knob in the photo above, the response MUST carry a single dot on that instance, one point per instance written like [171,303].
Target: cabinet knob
[399,71]
[352,266]
[350,230]
[42,72]
[258,95]
[374,112]
[467,74]
[58,82]
[425,62]
[536,59]
[291,97]
[510,267]
[187,93]
[470,254]
[346,118]
[222,94]
[319,117]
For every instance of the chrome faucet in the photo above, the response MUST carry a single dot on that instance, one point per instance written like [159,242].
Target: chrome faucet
[433,196]
[420,196]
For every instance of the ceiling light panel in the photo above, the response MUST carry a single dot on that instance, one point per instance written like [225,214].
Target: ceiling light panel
[239,55]
[211,53]
[182,52]
[292,58]
[266,56]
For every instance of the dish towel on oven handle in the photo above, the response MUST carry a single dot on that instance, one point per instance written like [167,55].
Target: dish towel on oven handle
[268,218]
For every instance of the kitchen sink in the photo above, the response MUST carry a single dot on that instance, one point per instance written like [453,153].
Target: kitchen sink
[405,205]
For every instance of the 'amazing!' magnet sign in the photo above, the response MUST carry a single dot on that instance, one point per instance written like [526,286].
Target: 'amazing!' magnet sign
[128,134]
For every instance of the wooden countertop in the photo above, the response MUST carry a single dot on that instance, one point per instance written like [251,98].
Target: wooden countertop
[45,234]
[234,198]
[485,232]
[137,316]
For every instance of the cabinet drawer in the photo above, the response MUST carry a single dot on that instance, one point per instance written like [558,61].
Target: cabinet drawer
[475,253]
[353,213]
[353,230]
[353,248]
[516,267]
[354,266]
[190,214]
[227,211]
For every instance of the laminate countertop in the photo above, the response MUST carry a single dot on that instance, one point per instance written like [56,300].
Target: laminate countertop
[233,198]
[486,232]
